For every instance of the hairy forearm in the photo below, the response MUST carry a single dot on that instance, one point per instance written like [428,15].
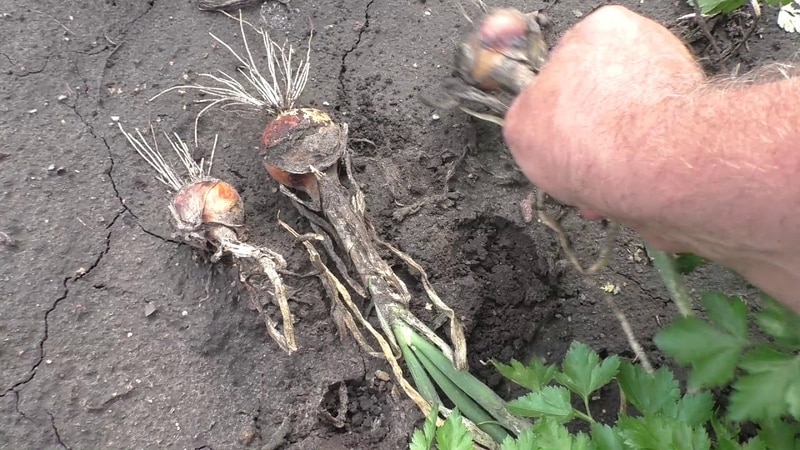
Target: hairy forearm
[727,162]
[725,168]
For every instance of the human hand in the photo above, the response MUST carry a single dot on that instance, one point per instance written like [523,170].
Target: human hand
[567,130]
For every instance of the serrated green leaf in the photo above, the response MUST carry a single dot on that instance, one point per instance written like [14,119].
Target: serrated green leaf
[606,438]
[453,435]
[550,434]
[695,409]
[650,394]
[727,313]
[582,442]
[525,441]
[769,389]
[725,436]
[418,441]
[582,371]
[780,322]
[779,434]
[756,444]
[718,6]
[686,263]
[711,352]
[661,433]
[551,401]
[533,377]
[422,439]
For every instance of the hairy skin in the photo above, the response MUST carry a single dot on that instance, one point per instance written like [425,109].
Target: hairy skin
[622,123]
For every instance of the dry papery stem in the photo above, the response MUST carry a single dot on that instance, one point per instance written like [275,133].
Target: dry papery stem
[340,296]
[276,92]
[252,259]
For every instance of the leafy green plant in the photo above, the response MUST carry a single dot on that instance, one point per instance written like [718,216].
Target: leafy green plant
[762,377]
[729,6]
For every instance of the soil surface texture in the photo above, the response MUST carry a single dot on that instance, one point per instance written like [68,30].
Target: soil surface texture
[117,335]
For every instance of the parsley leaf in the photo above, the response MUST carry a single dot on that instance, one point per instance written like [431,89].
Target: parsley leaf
[769,389]
[533,377]
[658,432]
[423,439]
[718,6]
[712,351]
[780,323]
[695,409]
[606,438]
[453,435]
[551,402]
[583,373]
[650,394]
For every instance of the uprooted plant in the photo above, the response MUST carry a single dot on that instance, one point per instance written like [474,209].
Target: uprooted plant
[495,62]
[306,152]
[208,213]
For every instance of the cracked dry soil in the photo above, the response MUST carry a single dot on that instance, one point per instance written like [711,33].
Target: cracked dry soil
[86,248]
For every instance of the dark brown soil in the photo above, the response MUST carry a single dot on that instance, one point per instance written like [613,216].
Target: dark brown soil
[81,363]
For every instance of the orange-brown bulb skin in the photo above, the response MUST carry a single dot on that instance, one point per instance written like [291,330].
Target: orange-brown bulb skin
[297,140]
[503,29]
[287,124]
[504,52]
[302,181]
[207,202]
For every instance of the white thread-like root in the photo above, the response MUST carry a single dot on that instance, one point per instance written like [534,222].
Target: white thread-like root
[276,92]
[166,173]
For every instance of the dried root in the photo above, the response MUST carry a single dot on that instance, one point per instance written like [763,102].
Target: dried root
[208,214]
[338,293]
[612,232]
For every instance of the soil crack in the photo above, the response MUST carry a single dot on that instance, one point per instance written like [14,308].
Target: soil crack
[343,67]
[66,286]
[27,72]
[55,431]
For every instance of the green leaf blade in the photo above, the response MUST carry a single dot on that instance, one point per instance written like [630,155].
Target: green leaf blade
[453,435]
[695,409]
[769,389]
[658,432]
[712,353]
[533,377]
[606,438]
[551,401]
[650,394]
[582,371]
